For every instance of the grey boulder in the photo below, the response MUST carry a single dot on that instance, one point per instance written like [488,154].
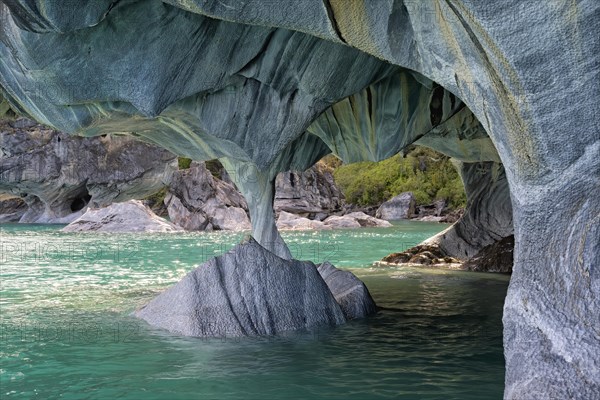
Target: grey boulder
[247,291]
[289,221]
[366,220]
[398,207]
[349,291]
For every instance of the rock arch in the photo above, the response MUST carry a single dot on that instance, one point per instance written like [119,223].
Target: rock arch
[528,72]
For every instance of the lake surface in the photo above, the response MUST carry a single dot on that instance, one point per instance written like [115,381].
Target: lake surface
[66,333]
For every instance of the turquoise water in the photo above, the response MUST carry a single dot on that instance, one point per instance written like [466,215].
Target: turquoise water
[66,333]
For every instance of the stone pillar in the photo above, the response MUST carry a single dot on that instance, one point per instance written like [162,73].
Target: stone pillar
[258,188]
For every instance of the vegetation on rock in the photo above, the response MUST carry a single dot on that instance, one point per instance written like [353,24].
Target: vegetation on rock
[426,173]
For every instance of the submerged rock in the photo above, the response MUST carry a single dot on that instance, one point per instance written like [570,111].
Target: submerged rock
[130,216]
[398,207]
[349,291]
[247,291]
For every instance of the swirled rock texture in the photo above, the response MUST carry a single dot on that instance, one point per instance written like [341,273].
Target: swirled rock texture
[11,208]
[58,175]
[247,291]
[488,216]
[269,89]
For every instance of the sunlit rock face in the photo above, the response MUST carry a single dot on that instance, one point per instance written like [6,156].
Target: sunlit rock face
[127,217]
[269,89]
[58,175]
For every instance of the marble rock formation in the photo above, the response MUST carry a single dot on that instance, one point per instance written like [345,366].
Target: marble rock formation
[58,175]
[197,201]
[247,291]
[270,89]
[430,255]
[307,193]
[129,216]
[11,208]
[349,291]
[398,207]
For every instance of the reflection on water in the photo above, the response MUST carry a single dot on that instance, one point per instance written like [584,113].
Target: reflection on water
[65,301]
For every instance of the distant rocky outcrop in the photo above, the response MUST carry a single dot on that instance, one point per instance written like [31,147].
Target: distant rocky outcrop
[11,208]
[398,207]
[129,216]
[430,255]
[247,291]
[308,193]
[496,257]
[289,221]
[197,201]
[58,175]
[354,220]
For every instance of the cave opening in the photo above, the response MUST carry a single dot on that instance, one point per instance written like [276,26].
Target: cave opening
[80,202]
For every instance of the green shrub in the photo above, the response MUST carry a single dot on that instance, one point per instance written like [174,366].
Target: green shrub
[427,174]
[184,163]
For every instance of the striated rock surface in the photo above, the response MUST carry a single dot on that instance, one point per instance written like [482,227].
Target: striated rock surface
[247,291]
[198,201]
[488,216]
[130,216]
[307,193]
[11,208]
[349,291]
[58,175]
[486,82]
[398,207]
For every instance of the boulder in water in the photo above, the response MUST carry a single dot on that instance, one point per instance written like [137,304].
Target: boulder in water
[349,291]
[247,291]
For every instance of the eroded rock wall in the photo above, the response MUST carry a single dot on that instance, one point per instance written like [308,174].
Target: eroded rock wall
[58,175]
